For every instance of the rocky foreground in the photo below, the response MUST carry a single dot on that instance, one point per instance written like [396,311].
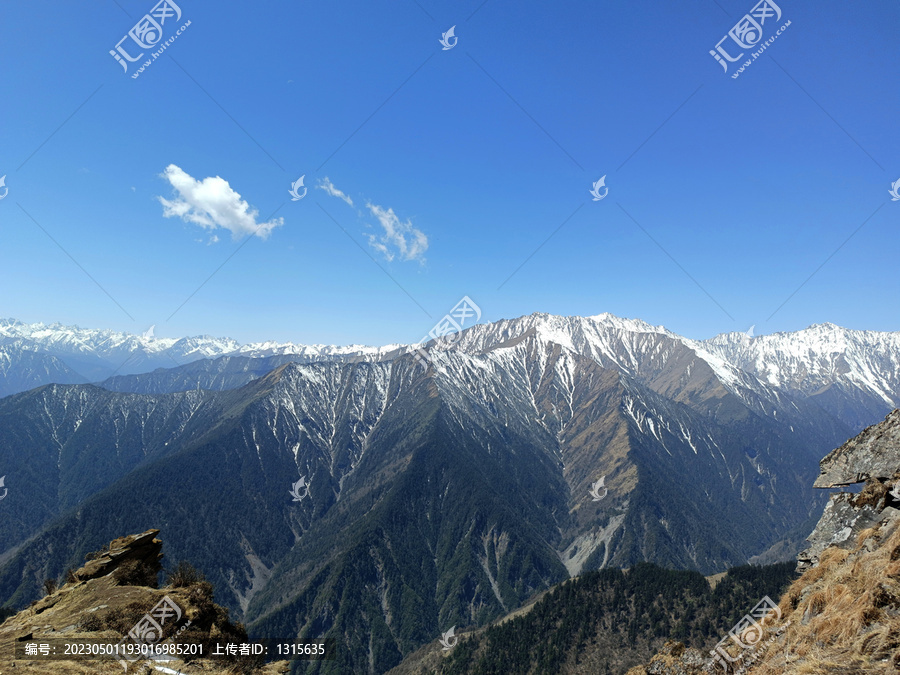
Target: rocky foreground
[842,616]
[109,597]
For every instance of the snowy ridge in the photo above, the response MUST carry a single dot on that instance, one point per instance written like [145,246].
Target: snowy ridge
[809,360]
[330,410]
[57,337]
[96,354]
[864,365]
[630,346]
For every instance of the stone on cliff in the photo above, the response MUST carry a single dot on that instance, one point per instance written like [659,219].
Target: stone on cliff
[142,548]
[874,457]
[874,453]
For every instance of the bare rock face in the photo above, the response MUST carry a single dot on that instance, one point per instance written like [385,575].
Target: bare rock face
[142,548]
[841,523]
[874,453]
[874,457]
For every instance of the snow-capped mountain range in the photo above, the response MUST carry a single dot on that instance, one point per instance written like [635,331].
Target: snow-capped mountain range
[824,362]
[820,362]
[810,360]
[107,344]
[95,354]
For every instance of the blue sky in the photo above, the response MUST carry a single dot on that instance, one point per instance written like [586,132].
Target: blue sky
[725,195]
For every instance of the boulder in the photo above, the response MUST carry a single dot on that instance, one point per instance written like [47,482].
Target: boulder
[142,548]
[874,453]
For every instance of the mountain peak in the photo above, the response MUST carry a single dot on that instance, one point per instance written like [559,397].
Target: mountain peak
[634,325]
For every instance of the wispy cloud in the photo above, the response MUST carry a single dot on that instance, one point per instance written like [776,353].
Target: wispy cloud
[399,238]
[211,204]
[328,186]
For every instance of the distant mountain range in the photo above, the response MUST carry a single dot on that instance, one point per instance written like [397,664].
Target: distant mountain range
[93,355]
[439,494]
[850,373]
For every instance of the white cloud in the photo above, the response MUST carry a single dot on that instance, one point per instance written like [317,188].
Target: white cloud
[329,187]
[399,238]
[211,203]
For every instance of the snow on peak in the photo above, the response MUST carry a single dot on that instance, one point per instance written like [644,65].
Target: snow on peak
[813,358]
[806,360]
[98,353]
[633,325]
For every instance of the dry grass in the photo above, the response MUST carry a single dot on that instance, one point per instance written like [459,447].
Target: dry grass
[103,608]
[868,533]
[842,616]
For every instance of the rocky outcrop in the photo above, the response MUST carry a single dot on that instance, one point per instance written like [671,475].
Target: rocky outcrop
[97,605]
[143,549]
[873,454]
[872,457]
[845,517]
